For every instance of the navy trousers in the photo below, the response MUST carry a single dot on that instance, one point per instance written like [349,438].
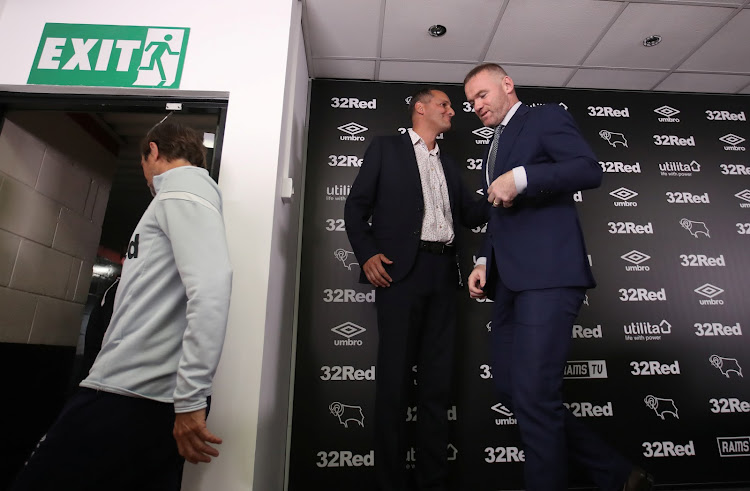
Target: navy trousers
[531,333]
[106,441]
[416,326]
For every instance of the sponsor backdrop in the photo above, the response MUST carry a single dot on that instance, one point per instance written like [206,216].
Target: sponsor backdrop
[660,346]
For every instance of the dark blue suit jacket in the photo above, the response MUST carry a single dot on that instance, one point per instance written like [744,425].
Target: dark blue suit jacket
[388,189]
[538,243]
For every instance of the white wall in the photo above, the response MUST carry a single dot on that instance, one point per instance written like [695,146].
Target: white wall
[236,46]
[278,342]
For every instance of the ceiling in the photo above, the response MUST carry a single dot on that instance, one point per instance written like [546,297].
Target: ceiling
[705,45]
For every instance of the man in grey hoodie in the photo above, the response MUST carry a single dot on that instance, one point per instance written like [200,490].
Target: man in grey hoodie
[142,409]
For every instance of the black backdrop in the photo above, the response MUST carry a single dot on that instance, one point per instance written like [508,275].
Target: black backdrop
[660,345]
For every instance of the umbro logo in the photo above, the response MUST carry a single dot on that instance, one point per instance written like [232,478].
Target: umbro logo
[708,290]
[635,257]
[352,129]
[484,132]
[348,330]
[745,196]
[624,195]
[732,142]
[666,111]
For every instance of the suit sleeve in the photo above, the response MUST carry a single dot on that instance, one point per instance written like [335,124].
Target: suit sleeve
[572,165]
[360,204]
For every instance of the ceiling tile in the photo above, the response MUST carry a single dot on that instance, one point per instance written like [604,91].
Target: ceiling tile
[704,82]
[414,71]
[727,50]
[539,31]
[681,27]
[469,23]
[731,3]
[614,79]
[342,28]
[538,76]
[348,69]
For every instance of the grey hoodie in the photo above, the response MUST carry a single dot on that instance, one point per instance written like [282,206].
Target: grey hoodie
[167,329]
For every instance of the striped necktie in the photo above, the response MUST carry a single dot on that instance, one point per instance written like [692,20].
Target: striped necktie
[493,154]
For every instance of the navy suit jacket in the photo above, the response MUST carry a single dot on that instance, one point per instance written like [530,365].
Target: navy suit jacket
[538,243]
[388,188]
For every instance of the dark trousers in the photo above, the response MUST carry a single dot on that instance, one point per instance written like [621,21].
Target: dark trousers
[106,441]
[531,333]
[416,325]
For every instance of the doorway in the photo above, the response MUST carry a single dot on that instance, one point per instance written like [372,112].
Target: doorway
[71,192]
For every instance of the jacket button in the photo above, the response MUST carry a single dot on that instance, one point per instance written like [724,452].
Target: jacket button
[419,208]
[416,232]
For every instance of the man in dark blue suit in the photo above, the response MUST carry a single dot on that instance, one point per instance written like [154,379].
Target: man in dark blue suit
[414,195]
[534,265]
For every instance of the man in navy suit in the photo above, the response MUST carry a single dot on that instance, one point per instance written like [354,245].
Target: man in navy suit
[414,195]
[535,267]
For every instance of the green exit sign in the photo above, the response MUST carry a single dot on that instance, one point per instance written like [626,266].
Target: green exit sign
[110,56]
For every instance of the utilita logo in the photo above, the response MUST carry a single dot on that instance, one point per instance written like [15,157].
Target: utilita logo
[485,134]
[709,291]
[732,142]
[678,169]
[337,192]
[348,330]
[646,331]
[667,114]
[624,195]
[352,130]
[636,258]
[745,196]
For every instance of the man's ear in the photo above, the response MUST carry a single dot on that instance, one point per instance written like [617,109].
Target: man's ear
[154,150]
[508,84]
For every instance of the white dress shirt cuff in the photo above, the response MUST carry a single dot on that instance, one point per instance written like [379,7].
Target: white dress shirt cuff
[519,176]
[481,261]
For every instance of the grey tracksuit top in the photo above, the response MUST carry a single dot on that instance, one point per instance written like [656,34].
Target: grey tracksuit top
[167,329]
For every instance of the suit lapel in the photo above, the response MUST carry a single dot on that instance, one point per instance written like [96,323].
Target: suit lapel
[508,138]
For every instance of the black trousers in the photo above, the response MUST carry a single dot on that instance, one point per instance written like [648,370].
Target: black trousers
[106,441]
[531,333]
[416,326]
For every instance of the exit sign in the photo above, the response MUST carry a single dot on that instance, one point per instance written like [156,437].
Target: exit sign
[110,56]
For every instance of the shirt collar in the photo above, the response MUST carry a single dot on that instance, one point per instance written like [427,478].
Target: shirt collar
[510,114]
[415,138]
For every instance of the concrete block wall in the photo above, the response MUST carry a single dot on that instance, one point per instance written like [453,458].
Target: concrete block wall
[54,186]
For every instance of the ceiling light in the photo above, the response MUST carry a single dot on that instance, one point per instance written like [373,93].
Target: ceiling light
[652,40]
[437,30]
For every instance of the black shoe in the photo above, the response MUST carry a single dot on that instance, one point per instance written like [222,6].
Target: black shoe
[639,480]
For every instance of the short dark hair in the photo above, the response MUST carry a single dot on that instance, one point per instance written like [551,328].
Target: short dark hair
[176,141]
[485,67]
[422,95]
